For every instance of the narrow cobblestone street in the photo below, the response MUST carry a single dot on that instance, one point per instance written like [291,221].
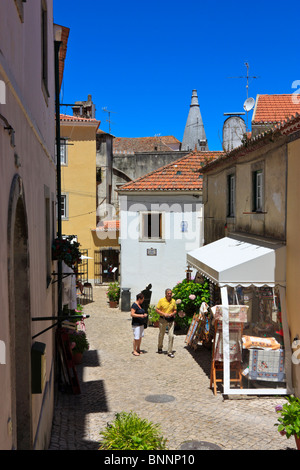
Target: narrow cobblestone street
[113,380]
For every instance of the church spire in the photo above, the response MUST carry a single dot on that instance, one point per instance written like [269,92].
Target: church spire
[194,133]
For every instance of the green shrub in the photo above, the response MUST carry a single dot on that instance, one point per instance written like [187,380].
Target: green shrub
[152,314]
[189,296]
[129,432]
[113,292]
[289,420]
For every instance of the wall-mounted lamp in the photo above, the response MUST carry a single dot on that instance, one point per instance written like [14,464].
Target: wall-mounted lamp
[11,132]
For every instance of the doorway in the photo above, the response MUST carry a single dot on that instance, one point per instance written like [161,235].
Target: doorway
[107,265]
[20,317]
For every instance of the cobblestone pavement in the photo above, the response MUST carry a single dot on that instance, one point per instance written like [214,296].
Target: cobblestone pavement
[113,380]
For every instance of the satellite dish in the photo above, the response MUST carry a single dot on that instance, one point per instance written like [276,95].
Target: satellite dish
[249,104]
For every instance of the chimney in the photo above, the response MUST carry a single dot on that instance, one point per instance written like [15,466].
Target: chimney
[194,134]
[85,109]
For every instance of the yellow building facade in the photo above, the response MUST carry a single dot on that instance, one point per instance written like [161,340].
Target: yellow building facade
[78,181]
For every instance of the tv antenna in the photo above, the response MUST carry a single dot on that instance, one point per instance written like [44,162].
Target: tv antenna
[247,77]
[108,120]
[250,102]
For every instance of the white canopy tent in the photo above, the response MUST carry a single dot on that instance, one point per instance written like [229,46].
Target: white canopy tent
[237,262]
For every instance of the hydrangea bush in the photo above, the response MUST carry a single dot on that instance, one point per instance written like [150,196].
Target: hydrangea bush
[189,297]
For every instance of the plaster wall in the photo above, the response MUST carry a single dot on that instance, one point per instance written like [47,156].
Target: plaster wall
[293,253]
[139,164]
[30,114]
[168,266]
[271,222]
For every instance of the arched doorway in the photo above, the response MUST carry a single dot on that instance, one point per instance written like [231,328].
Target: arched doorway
[20,317]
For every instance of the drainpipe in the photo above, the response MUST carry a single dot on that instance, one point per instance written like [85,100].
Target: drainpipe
[57,44]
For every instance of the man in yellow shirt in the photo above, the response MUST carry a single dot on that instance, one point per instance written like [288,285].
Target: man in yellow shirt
[166,308]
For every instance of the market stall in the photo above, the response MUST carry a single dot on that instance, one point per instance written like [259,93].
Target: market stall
[252,347]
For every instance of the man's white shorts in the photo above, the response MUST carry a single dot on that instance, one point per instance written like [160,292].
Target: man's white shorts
[138,331]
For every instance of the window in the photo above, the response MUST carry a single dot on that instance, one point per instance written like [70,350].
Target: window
[231,195]
[63,152]
[151,227]
[48,235]
[44,44]
[64,207]
[19,5]
[258,191]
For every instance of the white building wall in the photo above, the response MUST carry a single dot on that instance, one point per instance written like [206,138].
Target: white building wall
[169,265]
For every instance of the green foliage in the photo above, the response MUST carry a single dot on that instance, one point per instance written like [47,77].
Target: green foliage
[129,432]
[153,316]
[80,340]
[289,421]
[77,312]
[189,296]
[113,292]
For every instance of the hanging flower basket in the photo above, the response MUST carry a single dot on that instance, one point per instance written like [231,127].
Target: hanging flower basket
[67,250]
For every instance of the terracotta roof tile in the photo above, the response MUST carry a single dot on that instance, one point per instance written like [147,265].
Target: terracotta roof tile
[183,174]
[275,108]
[286,127]
[108,225]
[130,145]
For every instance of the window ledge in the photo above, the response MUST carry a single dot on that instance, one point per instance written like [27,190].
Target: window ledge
[255,212]
[152,240]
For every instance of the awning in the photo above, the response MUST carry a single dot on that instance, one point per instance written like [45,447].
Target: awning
[231,262]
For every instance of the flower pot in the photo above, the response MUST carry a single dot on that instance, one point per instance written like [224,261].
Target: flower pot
[297,439]
[113,303]
[156,324]
[77,357]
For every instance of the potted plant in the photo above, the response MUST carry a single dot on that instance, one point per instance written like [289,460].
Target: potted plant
[130,432]
[289,420]
[67,250]
[79,344]
[153,316]
[113,293]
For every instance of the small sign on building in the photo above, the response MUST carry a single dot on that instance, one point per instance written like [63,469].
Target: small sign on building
[151,252]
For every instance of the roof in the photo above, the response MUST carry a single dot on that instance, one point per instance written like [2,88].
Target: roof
[275,108]
[130,145]
[63,51]
[108,226]
[67,118]
[287,127]
[183,174]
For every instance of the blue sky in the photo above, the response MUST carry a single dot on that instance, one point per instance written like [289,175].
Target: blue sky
[141,60]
